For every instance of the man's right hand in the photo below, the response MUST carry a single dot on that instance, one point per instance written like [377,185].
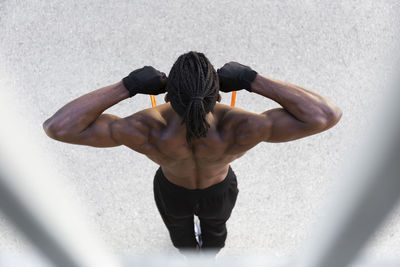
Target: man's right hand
[234,76]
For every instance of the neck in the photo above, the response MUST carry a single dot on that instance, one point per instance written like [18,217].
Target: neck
[210,117]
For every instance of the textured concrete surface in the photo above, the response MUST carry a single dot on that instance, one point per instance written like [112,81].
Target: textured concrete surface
[52,52]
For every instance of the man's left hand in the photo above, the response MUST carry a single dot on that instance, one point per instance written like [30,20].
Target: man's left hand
[146,80]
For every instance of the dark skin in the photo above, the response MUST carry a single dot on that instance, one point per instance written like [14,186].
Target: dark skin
[157,132]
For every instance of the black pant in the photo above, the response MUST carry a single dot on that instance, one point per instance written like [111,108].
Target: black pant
[213,205]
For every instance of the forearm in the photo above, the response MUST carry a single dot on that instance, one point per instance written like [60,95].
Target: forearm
[78,114]
[305,105]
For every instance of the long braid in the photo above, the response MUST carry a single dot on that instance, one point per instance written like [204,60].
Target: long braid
[192,75]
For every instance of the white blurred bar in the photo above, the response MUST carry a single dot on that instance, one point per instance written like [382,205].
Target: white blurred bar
[367,191]
[32,198]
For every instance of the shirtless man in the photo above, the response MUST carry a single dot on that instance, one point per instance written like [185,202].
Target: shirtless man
[193,137]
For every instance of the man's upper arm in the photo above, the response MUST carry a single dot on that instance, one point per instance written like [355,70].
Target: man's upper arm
[284,127]
[106,131]
[275,125]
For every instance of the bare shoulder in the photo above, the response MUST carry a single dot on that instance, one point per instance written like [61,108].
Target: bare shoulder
[134,131]
[153,118]
[248,128]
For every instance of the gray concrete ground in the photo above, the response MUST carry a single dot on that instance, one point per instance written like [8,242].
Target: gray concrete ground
[53,51]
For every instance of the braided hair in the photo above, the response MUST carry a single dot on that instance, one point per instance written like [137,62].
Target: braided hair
[193,88]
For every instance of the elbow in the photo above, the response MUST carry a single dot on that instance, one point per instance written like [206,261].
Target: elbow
[47,129]
[334,116]
[330,119]
[50,130]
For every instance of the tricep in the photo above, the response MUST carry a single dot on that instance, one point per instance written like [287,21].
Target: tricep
[277,125]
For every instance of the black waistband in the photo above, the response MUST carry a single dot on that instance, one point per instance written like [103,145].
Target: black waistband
[215,189]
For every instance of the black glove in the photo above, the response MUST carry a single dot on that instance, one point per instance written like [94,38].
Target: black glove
[146,80]
[234,76]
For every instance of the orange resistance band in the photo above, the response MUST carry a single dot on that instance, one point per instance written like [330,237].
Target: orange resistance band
[233,100]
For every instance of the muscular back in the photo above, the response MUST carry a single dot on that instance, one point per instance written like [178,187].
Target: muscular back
[204,162]
[157,133]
